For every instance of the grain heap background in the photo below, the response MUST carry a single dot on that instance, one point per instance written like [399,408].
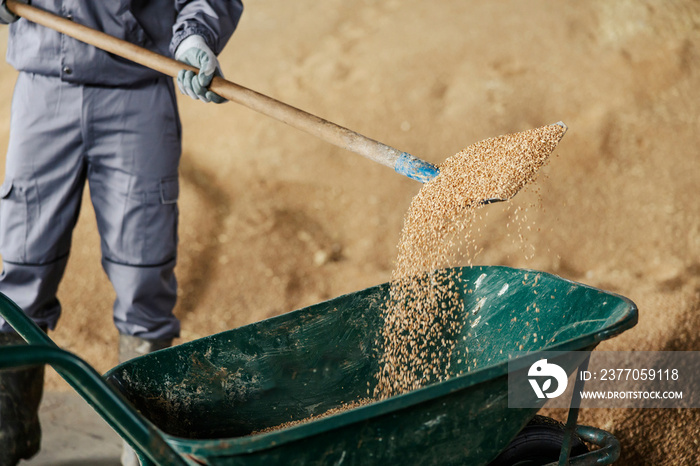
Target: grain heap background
[272,219]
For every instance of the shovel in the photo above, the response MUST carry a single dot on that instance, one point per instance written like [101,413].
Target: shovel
[402,162]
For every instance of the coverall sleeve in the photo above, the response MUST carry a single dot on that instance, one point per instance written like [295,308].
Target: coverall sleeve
[214,20]
[6,17]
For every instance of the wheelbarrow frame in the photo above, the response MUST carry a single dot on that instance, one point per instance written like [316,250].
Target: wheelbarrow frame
[155,446]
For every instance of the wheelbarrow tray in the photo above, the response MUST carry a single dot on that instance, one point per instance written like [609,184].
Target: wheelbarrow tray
[208,396]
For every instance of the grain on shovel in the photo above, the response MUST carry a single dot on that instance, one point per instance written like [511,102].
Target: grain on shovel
[422,313]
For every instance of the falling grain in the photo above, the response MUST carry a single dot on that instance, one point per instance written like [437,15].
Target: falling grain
[422,313]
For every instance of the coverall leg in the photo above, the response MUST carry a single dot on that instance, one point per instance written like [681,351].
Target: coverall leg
[126,143]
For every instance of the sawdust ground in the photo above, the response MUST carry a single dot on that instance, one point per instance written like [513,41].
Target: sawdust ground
[273,219]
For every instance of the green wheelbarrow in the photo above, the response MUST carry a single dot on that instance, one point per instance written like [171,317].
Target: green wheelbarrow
[202,402]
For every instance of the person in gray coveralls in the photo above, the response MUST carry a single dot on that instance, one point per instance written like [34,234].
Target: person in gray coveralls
[80,114]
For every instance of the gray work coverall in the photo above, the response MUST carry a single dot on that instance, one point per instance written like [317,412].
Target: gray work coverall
[79,114]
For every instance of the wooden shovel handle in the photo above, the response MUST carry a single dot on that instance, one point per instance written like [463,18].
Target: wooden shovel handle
[323,129]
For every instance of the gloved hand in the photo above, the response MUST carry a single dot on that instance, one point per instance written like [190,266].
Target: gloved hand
[195,51]
[6,16]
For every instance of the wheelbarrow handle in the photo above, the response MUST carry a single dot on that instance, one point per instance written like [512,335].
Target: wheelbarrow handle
[402,162]
[108,403]
[23,325]
[111,405]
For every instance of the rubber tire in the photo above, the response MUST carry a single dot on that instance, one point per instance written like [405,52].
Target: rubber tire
[538,443]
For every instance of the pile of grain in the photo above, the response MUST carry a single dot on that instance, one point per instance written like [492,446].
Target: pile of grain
[330,412]
[423,313]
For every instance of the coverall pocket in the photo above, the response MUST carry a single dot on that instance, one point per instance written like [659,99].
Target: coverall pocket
[5,189]
[169,190]
[13,222]
[158,217]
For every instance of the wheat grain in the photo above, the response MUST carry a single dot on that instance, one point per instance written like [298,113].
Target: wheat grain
[423,312]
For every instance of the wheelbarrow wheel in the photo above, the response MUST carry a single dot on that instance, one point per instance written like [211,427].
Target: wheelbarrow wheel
[538,443]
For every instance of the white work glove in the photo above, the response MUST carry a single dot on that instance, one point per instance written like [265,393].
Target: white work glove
[195,51]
